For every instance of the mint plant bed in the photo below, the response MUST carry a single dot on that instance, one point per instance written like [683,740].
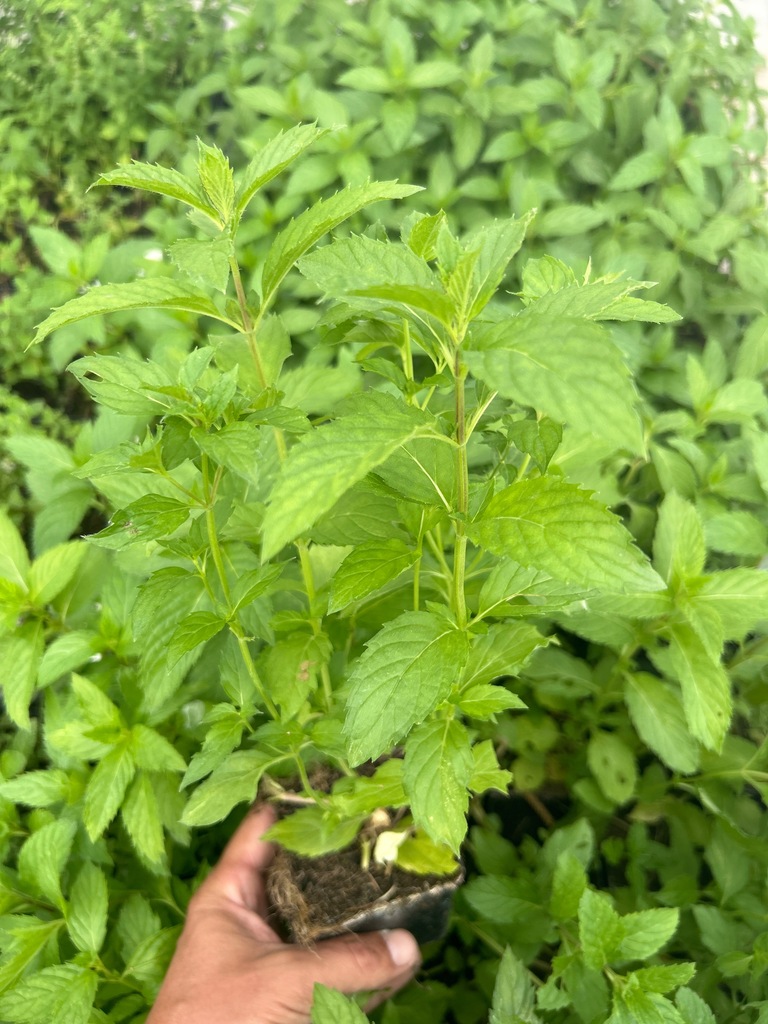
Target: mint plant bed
[348,557]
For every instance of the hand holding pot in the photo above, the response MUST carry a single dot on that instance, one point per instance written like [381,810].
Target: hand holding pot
[231,968]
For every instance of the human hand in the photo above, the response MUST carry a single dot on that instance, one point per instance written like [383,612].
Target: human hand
[231,968]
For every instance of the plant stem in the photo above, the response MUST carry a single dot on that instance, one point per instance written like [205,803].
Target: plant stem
[210,523]
[249,326]
[460,547]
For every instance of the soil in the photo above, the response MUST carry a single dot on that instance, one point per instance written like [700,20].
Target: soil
[318,897]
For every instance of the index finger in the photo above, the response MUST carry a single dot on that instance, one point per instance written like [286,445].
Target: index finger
[238,876]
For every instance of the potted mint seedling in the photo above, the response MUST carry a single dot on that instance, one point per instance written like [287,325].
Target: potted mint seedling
[355,550]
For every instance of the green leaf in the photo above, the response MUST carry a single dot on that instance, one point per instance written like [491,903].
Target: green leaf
[292,668]
[37,789]
[141,817]
[220,740]
[502,651]
[20,655]
[192,631]
[613,766]
[272,159]
[538,438]
[126,385]
[513,993]
[324,464]
[164,181]
[233,782]
[87,911]
[601,930]
[44,855]
[62,994]
[153,752]
[486,773]
[419,855]
[569,883]
[658,716]
[495,245]
[679,550]
[310,226]
[331,1007]
[233,447]
[693,1008]
[738,596]
[646,931]
[67,652]
[432,74]
[357,263]
[150,293]
[638,171]
[737,533]
[556,527]
[205,261]
[54,570]
[502,900]
[14,560]
[705,685]
[482,701]
[664,977]
[148,518]
[313,831]
[106,789]
[407,669]
[565,367]
[137,923]
[28,937]
[438,767]
[367,569]
[217,179]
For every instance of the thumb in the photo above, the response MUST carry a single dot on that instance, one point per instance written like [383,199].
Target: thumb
[359,962]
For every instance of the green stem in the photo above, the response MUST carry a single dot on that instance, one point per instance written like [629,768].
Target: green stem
[213,539]
[245,654]
[460,546]
[249,327]
[417,566]
[314,621]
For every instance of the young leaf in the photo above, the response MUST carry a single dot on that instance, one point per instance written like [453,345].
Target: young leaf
[310,226]
[601,930]
[513,994]
[407,669]
[272,160]
[233,782]
[438,767]
[530,358]
[646,931]
[152,293]
[679,550]
[495,246]
[14,560]
[486,773]
[550,525]
[739,596]
[658,716]
[502,651]
[87,911]
[538,438]
[62,994]
[327,462]
[331,1007]
[664,977]
[192,631]
[54,570]
[20,654]
[36,789]
[568,885]
[217,179]
[705,685]
[613,766]
[153,752]
[205,261]
[126,385]
[141,817]
[367,569]
[164,181]
[313,831]
[44,855]
[106,789]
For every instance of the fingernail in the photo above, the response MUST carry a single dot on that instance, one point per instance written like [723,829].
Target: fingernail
[402,947]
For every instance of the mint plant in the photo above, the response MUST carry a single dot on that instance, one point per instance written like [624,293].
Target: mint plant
[366,582]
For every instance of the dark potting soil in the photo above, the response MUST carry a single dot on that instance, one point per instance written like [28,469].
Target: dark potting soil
[319,897]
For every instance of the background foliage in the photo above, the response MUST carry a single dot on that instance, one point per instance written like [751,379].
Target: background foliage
[635,131]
